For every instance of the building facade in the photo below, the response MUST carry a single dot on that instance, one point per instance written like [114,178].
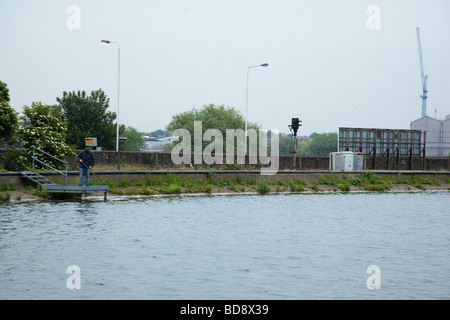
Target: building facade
[437,135]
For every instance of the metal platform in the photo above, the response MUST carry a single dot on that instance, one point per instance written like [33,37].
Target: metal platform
[58,188]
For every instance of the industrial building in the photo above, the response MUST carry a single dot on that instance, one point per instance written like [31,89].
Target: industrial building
[437,132]
[390,144]
[437,135]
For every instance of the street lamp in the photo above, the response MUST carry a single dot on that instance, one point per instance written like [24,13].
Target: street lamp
[246,102]
[105,42]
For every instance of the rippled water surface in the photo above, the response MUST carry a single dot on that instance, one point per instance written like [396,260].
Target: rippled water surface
[229,247]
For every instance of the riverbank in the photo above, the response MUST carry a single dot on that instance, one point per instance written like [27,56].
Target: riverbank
[243,182]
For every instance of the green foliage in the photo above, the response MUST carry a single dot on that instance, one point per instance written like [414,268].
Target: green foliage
[42,127]
[41,192]
[4,92]
[88,116]
[171,189]
[13,160]
[8,123]
[344,187]
[134,142]
[263,187]
[8,116]
[212,117]
[319,144]
[376,187]
[7,187]
[5,197]
[371,182]
[285,145]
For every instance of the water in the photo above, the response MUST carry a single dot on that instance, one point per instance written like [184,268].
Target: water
[229,247]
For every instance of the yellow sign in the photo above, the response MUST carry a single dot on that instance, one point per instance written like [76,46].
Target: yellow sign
[91,142]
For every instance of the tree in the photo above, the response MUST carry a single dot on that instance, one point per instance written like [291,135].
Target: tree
[212,117]
[134,142]
[286,145]
[88,116]
[4,92]
[8,118]
[320,144]
[42,126]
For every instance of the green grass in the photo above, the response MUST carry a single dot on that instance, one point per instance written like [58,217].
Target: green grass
[172,184]
[171,189]
[7,187]
[371,182]
[41,192]
[263,187]
[344,187]
[5,197]
[376,187]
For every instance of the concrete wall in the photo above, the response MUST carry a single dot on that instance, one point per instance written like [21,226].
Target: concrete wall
[162,161]
[15,178]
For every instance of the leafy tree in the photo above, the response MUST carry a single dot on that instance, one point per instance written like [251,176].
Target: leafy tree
[212,117]
[4,92]
[134,142]
[41,126]
[286,145]
[88,116]
[319,144]
[8,116]
[8,122]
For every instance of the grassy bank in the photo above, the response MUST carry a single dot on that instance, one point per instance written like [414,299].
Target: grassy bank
[170,184]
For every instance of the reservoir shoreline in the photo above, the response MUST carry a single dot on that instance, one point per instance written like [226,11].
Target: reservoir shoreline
[136,184]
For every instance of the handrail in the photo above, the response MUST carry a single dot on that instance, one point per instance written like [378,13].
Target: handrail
[47,165]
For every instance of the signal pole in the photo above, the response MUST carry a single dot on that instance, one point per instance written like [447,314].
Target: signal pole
[295,125]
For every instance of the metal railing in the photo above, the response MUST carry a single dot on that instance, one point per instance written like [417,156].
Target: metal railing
[47,165]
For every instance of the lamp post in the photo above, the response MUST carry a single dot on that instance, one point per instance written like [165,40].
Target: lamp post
[246,102]
[105,42]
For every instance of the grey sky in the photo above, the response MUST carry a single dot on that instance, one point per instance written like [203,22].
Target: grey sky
[325,65]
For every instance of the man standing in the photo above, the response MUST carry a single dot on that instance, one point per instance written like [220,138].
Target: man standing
[85,161]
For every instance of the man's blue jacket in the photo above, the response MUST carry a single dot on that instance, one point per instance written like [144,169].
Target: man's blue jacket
[88,159]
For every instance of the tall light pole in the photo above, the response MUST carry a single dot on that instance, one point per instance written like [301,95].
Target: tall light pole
[105,42]
[246,102]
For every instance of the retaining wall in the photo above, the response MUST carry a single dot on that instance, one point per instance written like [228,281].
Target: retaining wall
[157,161]
[14,178]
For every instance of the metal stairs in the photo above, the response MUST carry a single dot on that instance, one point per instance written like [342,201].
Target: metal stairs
[37,178]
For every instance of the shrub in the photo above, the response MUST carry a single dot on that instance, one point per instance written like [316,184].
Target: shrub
[171,189]
[344,187]
[296,187]
[7,187]
[262,187]
[376,187]
[13,160]
[4,197]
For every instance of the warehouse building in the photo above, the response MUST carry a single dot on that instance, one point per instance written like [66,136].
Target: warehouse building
[437,135]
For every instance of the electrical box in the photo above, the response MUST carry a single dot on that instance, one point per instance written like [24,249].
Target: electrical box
[347,161]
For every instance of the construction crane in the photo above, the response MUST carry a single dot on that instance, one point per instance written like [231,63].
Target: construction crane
[424,77]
